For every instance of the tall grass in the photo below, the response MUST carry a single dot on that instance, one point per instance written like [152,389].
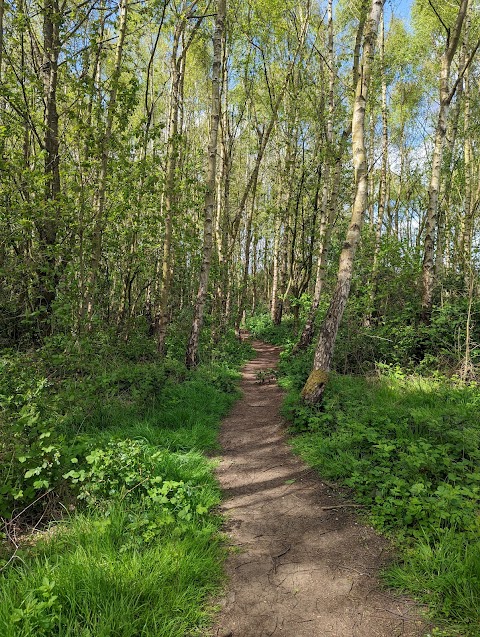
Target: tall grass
[87,580]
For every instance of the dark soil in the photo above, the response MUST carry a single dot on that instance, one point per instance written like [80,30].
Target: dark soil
[300,566]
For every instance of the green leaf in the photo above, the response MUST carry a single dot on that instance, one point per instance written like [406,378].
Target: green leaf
[33,472]
[201,510]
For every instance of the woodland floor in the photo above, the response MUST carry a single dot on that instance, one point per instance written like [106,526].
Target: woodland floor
[299,566]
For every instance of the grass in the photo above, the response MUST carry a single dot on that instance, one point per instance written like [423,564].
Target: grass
[99,586]
[443,571]
[141,554]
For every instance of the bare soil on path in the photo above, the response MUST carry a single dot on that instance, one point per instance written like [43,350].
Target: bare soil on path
[300,567]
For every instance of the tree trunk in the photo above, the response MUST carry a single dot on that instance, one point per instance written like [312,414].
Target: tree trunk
[314,387]
[161,318]
[276,261]
[100,192]
[467,222]
[191,357]
[242,295]
[175,119]
[253,178]
[428,265]
[449,166]
[329,195]
[382,194]
[48,224]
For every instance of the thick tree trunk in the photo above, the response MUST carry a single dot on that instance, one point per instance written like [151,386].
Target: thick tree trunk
[314,388]
[191,357]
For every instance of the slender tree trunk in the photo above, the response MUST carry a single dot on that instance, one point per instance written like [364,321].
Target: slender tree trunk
[169,198]
[246,263]
[467,222]
[382,195]
[266,134]
[329,195]
[174,161]
[444,203]
[314,387]
[446,95]
[282,287]
[191,357]
[47,226]
[223,205]
[126,307]
[100,192]
[2,12]
[254,273]
[276,261]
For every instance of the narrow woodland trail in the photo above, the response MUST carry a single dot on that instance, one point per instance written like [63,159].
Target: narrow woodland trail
[301,569]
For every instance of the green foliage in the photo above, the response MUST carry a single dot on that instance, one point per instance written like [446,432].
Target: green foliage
[261,326]
[39,612]
[54,402]
[409,447]
[31,447]
[134,470]
[443,570]
[108,580]
[400,338]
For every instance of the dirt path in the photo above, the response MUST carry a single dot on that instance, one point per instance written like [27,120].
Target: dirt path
[300,570]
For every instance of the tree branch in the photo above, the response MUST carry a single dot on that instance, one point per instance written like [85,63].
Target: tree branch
[439,18]
[462,72]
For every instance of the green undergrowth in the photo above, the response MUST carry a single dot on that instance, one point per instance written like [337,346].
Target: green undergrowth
[124,469]
[407,447]
[262,327]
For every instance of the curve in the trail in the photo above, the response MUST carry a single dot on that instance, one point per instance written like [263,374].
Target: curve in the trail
[299,568]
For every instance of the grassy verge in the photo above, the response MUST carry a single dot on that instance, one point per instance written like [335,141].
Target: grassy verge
[138,550]
[408,447]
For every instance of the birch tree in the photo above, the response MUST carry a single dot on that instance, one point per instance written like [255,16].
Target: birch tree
[191,356]
[314,387]
[446,94]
